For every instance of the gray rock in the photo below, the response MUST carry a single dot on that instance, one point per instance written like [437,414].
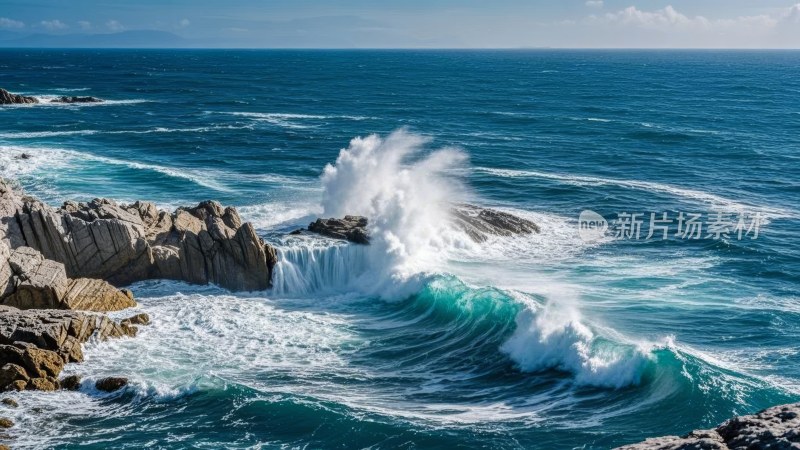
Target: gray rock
[480,223]
[126,243]
[776,428]
[351,228]
[7,98]
[74,99]
[35,344]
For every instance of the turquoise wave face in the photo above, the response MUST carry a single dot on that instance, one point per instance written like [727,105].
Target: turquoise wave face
[426,339]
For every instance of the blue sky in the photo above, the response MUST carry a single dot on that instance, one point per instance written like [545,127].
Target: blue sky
[416,23]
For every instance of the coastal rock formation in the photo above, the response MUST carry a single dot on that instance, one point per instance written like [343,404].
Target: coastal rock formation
[7,98]
[351,228]
[111,384]
[42,283]
[73,99]
[36,344]
[126,243]
[773,428]
[479,223]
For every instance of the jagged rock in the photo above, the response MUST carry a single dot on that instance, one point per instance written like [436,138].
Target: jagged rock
[43,284]
[8,401]
[71,382]
[126,243]
[5,422]
[37,343]
[138,319]
[7,98]
[110,384]
[47,384]
[351,228]
[773,428]
[10,373]
[74,99]
[480,223]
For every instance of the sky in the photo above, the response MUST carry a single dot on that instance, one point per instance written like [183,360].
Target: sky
[404,24]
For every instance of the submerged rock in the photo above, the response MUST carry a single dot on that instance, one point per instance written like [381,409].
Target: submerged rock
[5,422]
[10,402]
[73,99]
[773,428]
[7,98]
[111,384]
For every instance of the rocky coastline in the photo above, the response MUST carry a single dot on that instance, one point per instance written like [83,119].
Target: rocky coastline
[7,98]
[775,428]
[62,269]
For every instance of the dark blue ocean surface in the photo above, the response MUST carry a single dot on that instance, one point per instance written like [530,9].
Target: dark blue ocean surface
[426,340]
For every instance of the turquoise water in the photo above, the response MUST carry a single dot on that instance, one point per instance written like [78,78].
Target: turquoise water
[424,339]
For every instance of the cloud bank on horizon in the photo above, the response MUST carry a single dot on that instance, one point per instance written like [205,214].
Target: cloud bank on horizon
[411,24]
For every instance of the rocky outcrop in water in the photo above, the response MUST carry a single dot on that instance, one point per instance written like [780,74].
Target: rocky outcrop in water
[122,244]
[7,98]
[73,99]
[36,344]
[775,428]
[351,228]
[56,261]
[479,224]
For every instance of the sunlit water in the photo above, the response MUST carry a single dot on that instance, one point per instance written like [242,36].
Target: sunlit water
[425,339]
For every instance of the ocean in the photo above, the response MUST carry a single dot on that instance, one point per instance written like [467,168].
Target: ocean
[558,340]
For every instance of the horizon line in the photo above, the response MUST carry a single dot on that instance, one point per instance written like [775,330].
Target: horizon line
[410,48]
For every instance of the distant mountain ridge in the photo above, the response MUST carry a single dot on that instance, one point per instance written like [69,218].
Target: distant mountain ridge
[123,39]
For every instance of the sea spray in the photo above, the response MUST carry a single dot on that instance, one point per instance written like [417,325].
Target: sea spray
[405,196]
[554,336]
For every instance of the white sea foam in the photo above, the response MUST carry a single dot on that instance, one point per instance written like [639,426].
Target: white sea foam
[41,158]
[47,102]
[46,134]
[405,195]
[290,120]
[554,337]
[716,201]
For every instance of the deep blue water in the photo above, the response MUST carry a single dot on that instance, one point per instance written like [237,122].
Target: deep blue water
[532,342]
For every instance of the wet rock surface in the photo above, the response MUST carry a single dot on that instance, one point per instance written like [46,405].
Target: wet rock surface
[351,228]
[775,428]
[111,384]
[7,98]
[477,222]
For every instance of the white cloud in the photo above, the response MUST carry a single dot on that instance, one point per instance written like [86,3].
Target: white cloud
[114,26]
[668,27]
[594,3]
[11,24]
[85,25]
[53,25]
[670,18]
[184,23]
